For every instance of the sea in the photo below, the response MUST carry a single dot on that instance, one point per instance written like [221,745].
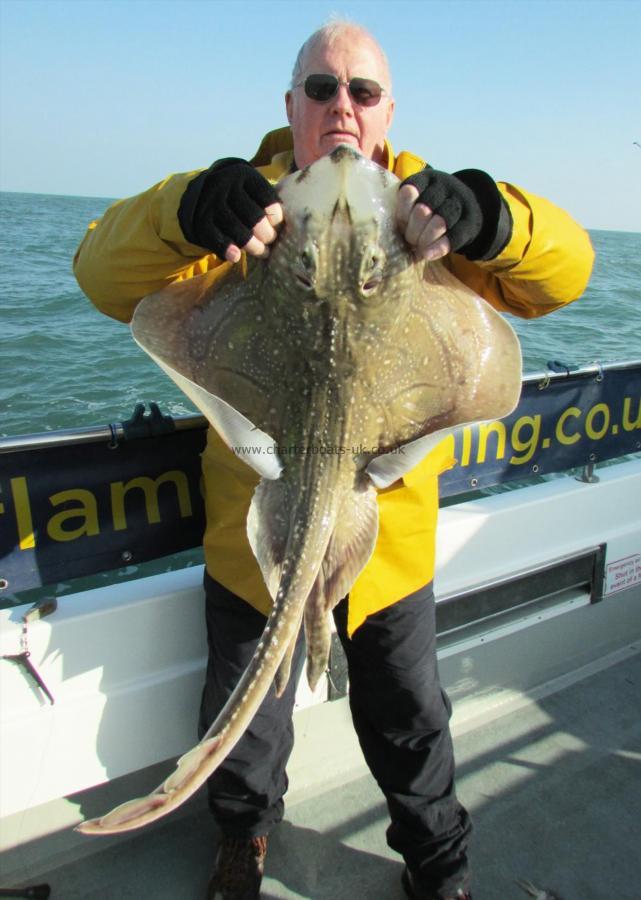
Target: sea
[63,364]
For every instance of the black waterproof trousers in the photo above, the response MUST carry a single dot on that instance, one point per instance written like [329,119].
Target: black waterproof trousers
[400,713]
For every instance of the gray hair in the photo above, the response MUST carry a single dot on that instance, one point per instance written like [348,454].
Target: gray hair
[327,35]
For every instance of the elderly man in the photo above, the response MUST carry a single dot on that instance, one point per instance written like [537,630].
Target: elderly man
[524,256]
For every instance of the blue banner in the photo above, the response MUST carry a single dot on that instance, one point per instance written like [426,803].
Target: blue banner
[561,421]
[92,507]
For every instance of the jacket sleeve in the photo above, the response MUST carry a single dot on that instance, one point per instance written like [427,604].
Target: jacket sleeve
[546,263]
[138,248]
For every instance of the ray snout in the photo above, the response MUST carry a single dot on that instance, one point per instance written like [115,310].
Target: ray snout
[334,187]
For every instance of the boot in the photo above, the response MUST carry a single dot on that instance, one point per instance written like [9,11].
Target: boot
[239,869]
[414,892]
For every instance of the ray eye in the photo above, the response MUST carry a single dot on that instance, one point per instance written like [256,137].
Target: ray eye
[371,284]
[306,268]
[304,281]
[372,267]
[370,287]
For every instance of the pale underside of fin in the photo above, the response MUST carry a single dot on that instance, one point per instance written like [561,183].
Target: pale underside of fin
[248,442]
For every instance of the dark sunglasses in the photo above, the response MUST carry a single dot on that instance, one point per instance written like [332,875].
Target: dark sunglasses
[322,88]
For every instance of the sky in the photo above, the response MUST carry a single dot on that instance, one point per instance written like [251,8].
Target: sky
[104,98]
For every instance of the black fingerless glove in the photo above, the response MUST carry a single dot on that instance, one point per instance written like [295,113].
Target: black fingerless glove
[221,205]
[479,223]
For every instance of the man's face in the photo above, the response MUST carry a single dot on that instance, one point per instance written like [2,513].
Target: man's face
[319,127]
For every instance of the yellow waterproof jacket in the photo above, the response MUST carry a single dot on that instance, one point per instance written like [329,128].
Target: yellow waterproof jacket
[138,248]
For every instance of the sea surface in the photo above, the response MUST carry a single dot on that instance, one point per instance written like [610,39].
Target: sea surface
[63,364]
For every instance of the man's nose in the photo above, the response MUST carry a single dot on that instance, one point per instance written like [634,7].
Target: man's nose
[342,100]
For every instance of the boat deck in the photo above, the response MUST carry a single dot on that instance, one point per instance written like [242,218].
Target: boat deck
[553,787]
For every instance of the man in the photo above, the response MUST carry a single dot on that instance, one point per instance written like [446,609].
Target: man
[524,256]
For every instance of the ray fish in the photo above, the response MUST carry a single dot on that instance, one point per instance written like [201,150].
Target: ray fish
[332,367]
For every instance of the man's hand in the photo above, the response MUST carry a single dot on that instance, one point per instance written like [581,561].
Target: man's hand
[439,213]
[229,208]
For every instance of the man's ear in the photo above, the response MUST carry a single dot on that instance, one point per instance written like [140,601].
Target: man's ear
[289,102]
[390,113]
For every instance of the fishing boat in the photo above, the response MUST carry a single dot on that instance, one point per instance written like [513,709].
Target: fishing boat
[539,617]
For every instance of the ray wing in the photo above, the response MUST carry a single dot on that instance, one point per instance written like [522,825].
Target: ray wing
[462,364]
[212,337]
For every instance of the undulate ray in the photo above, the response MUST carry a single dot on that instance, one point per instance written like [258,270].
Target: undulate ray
[338,340]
